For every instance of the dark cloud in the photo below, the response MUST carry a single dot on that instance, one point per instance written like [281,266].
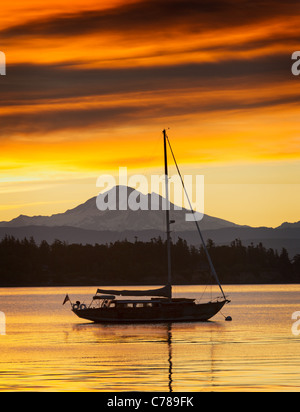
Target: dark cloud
[44,122]
[42,83]
[47,121]
[37,83]
[156,15]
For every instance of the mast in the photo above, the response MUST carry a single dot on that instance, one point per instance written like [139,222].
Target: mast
[212,268]
[168,215]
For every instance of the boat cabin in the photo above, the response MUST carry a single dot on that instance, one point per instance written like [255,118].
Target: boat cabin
[110,301]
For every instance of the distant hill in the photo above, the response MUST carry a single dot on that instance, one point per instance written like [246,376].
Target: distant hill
[287,225]
[86,224]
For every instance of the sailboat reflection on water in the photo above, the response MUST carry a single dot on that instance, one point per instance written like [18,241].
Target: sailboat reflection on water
[162,306]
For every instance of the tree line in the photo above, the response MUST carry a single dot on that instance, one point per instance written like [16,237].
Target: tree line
[26,263]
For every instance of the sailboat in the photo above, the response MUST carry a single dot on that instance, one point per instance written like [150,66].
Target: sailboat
[154,305]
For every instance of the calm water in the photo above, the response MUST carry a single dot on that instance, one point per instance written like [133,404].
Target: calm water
[47,348]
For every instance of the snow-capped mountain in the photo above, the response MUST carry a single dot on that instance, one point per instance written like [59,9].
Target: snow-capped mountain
[88,216]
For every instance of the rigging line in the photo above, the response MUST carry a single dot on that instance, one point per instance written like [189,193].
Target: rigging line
[203,293]
[196,222]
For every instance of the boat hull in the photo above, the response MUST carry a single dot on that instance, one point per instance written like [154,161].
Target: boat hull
[168,312]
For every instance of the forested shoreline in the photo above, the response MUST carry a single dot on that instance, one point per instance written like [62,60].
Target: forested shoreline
[25,263]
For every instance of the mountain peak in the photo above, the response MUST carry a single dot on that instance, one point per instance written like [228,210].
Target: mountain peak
[287,225]
[121,218]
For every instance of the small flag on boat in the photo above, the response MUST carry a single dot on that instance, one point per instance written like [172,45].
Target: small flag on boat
[66,299]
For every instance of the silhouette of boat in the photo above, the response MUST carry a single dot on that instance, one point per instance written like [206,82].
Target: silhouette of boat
[162,306]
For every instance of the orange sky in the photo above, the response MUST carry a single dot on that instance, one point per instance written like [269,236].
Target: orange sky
[89,88]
